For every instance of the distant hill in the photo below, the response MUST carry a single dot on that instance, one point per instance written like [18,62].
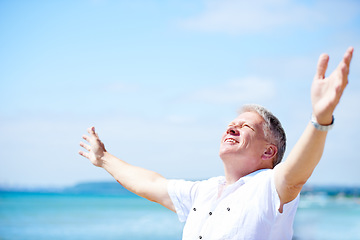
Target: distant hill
[88,188]
[331,191]
[103,188]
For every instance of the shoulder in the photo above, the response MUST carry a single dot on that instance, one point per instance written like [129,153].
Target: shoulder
[196,184]
[260,175]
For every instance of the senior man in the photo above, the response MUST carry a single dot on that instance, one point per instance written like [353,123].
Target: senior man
[258,197]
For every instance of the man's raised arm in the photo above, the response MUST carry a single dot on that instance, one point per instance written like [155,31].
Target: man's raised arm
[291,175]
[145,183]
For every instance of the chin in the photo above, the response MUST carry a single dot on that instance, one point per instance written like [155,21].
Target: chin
[227,154]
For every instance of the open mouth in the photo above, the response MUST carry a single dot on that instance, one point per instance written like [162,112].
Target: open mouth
[231,140]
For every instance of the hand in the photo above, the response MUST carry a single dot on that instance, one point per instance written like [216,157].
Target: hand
[326,92]
[96,148]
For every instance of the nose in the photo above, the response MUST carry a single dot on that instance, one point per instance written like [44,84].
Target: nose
[233,131]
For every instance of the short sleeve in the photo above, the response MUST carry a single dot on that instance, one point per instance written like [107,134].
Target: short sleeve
[283,226]
[288,208]
[182,194]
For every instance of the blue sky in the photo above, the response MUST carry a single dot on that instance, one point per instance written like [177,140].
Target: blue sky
[160,80]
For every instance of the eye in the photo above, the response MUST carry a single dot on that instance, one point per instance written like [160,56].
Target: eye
[248,126]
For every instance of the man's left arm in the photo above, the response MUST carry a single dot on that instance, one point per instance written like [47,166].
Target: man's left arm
[291,175]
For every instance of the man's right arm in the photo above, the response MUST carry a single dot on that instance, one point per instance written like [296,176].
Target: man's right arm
[143,182]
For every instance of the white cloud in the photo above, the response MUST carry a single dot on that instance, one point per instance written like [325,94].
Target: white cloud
[240,90]
[241,17]
[43,151]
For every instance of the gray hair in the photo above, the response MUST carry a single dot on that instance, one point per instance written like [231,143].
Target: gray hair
[273,131]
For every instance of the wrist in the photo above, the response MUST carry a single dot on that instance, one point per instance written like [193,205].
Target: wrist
[323,125]
[323,120]
[110,162]
[101,160]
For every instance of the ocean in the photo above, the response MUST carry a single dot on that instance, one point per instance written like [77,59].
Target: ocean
[75,215]
[66,216]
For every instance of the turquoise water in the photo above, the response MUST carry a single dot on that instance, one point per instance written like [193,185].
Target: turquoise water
[52,216]
[327,218]
[66,216]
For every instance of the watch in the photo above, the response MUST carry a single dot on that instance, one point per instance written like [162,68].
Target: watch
[320,127]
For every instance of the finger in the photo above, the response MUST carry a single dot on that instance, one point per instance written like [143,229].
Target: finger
[322,66]
[344,69]
[84,154]
[348,55]
[345,63]
[91,131]
[86,138]
[87,147]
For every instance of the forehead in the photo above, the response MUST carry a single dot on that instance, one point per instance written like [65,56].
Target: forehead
[249,117]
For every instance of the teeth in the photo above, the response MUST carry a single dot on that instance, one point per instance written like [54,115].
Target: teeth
[230,140]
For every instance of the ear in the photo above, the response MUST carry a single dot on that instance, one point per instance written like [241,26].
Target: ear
[270,152]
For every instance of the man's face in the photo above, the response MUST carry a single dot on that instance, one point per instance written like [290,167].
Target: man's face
[244,139]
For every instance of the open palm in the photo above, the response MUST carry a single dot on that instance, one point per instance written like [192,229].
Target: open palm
[326,92]
[95,148]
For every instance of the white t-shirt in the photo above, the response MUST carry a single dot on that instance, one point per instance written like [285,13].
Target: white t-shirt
[247,209]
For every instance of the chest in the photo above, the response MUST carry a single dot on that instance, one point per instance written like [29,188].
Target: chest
[236,213]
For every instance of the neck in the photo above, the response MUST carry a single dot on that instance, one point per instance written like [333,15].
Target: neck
[234,171]
[232,176]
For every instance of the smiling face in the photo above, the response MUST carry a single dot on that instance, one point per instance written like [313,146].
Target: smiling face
[243,143]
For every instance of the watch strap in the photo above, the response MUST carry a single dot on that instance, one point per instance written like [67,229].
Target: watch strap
[320,127]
